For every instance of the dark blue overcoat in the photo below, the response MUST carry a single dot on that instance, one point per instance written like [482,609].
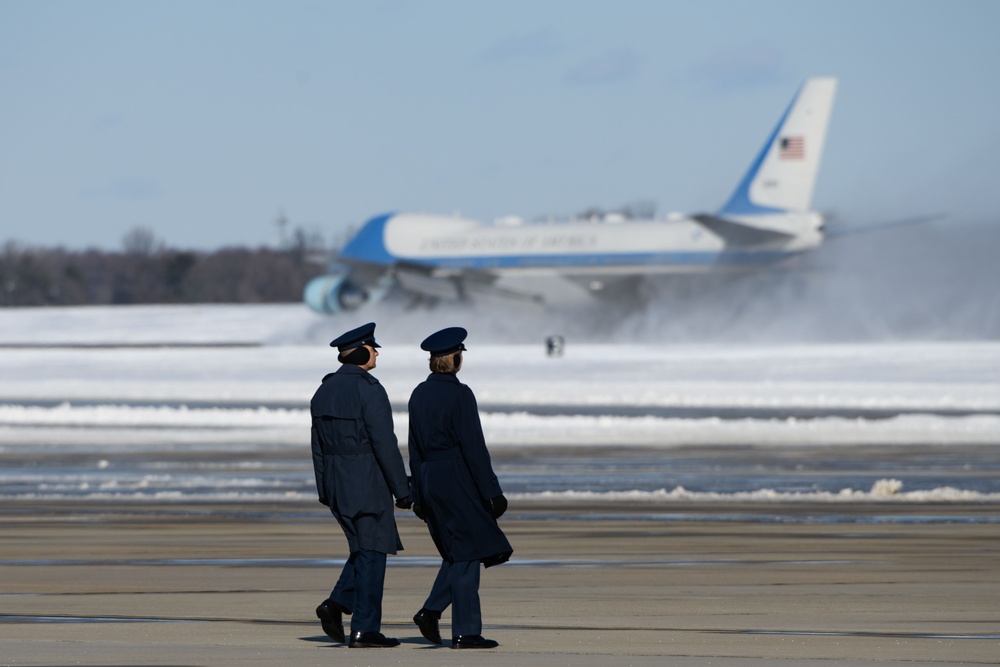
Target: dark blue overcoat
[453,479]
[356,458]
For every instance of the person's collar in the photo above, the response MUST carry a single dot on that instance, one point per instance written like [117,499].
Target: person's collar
[443,377]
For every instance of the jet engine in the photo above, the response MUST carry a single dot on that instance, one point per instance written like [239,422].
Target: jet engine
[339,292]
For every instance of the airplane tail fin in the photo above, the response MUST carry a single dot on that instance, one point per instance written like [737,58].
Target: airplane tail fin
[783,175]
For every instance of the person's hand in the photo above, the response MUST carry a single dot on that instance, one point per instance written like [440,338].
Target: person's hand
[498,506]
[404,503]
[419,511]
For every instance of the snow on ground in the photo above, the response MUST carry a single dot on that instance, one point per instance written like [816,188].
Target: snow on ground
[170,427]
[293,355]
[211,402]
[265,382]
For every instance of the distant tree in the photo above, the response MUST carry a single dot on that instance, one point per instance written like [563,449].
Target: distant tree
[307,244]
[139,242]
[177,266]
[145,271]
[25,278]
[73,282]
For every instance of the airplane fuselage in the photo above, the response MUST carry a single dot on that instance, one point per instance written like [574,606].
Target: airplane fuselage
[679,245]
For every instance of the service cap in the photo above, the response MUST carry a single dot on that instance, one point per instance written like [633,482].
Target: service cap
[363,335]
[445,341]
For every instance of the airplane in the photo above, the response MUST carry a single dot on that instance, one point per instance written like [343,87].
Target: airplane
[766,221]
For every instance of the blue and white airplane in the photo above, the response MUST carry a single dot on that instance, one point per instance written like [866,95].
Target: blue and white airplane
[766,220]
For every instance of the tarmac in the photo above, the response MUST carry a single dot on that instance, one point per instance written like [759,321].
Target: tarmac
[589,585]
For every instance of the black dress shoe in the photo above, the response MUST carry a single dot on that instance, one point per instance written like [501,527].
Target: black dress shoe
[331,618]
[472,641]
[371,640]
[427,621]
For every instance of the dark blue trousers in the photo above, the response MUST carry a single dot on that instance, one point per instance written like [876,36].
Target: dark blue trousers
[359,590]
[457,584]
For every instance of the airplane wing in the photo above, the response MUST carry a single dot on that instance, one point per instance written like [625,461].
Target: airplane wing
[453,284]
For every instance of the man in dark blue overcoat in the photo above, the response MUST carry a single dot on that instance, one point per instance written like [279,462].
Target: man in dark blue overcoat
[455,491]
[358,471]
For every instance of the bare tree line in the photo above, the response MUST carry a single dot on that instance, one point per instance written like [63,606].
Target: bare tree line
[146,271]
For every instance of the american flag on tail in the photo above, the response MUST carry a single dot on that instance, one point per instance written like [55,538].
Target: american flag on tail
[792,148]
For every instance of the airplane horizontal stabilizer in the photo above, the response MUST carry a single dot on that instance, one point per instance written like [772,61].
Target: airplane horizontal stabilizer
[738,234]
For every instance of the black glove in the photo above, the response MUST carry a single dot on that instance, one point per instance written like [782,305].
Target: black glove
[498,506]
[419,511]
[404,503]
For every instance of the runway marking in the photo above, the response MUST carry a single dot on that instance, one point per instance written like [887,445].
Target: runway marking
[30,618]
[812,519]
[420,561]
[881,635]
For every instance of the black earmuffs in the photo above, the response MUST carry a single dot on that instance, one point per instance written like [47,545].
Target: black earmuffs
[358,356]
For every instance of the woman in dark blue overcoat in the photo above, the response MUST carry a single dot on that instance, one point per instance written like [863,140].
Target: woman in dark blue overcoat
[455,491]
[358,470]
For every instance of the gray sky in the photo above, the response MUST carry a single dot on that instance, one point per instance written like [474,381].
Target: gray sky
[203,120]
